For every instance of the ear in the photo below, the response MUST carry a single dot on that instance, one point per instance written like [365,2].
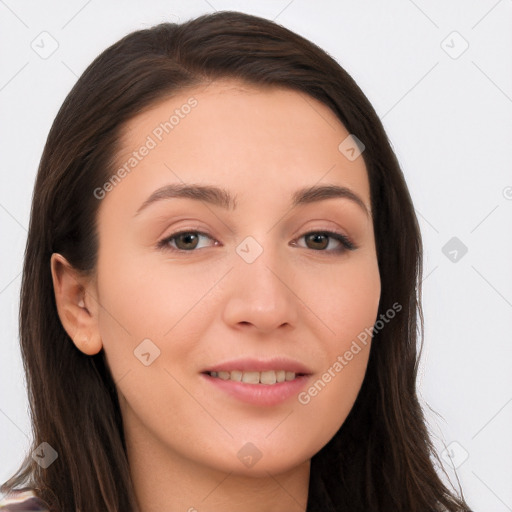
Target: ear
[76,305]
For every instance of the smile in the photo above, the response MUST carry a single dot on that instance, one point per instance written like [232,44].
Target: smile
[251,377]
[256,392]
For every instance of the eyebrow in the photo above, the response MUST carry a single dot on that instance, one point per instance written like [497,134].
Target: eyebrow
[222,198]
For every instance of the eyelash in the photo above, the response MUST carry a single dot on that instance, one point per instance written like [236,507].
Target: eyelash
[346,243]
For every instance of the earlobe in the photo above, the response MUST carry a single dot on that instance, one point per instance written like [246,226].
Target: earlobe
[76,305]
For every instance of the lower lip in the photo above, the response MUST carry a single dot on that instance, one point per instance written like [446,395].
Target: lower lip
[260,394]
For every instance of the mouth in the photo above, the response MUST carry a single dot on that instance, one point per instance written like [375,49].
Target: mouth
[267,378]
[259,382]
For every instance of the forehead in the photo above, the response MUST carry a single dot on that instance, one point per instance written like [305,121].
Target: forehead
[264,141]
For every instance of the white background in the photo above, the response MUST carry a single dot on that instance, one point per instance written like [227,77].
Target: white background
[450,122]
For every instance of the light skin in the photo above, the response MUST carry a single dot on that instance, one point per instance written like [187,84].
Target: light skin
[303,297]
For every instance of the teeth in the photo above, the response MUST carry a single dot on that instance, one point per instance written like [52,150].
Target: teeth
[235,375]
[269,377]
[251,377]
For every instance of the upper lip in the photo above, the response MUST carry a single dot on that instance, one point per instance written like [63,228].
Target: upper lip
[260,365]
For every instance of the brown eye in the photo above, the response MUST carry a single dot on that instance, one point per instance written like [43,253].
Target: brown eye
[186,241]
[321,240]
[318,240]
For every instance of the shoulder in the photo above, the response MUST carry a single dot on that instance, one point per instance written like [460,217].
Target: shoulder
[22,501]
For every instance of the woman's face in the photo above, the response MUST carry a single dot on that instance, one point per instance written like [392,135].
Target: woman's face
[252,277]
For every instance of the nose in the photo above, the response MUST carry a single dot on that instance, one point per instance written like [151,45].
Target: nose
[262,295]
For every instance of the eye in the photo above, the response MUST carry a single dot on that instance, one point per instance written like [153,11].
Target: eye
[183,241]
[321,240]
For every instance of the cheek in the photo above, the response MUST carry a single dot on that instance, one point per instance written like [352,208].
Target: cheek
[347,304]
[347,300]
[143,301]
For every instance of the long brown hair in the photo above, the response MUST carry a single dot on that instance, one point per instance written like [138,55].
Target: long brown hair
[382,458]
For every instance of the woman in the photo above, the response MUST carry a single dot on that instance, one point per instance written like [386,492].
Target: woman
[220,288]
